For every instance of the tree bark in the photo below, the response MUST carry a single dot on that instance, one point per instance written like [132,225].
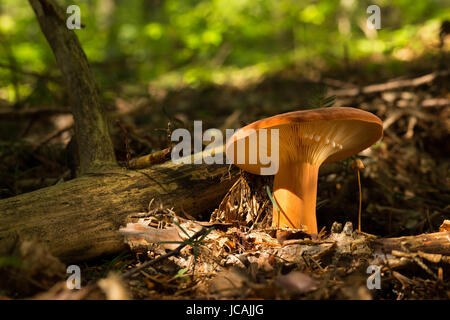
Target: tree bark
[91,127]
[435,243]
[79,219]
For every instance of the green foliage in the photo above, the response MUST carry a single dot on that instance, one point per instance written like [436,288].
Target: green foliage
[194,243]
[275,205]
[319,98]
[194,41]
[117,264]
[11,261]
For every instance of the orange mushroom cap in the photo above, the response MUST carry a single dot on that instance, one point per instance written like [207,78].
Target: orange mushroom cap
[314,136]
[303,140]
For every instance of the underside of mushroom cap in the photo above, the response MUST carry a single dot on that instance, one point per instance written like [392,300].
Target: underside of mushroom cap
[312,136]
[325,141]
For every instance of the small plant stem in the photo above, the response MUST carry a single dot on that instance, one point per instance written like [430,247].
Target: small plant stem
[360,200]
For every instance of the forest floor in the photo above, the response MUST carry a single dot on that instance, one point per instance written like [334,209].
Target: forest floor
[405,185]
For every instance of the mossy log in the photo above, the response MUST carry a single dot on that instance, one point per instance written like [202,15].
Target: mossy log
[79,219]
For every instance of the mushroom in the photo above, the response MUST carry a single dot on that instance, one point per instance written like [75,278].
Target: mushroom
[304,140]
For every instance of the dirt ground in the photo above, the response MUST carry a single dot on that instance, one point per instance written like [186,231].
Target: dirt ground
[405,190]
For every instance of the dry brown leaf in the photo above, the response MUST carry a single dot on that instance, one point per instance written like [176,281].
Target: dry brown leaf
[229,282]
[136,233]
[445,226]
[297,283]
[114,288]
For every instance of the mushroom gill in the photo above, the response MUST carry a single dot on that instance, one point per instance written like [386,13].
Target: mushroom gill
[306,139]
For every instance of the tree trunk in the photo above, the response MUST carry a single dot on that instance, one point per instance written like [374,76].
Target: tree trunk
[79,219]
[95,147]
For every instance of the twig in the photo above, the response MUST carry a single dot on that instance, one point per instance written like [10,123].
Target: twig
[149,159]
[419,262]
[167,255]
[411,124]
[391,85]
[52,136]
[435,102]
[392,118]
[258,215]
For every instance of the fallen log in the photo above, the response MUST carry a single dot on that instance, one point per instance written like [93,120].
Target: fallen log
[433,243]
[79,219]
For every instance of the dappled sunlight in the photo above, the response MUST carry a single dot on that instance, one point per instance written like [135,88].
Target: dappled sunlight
[224,149]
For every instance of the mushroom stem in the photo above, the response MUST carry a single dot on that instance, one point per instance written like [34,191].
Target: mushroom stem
[295,191]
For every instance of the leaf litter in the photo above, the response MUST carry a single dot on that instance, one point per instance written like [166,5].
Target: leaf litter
[405,191]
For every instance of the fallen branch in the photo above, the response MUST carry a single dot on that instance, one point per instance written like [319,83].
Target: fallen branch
[432,243]
[390,85]
[431,257]
[52,136]
[150,159]
[79,219]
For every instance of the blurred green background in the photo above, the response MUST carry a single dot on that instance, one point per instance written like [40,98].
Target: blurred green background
[175,43]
